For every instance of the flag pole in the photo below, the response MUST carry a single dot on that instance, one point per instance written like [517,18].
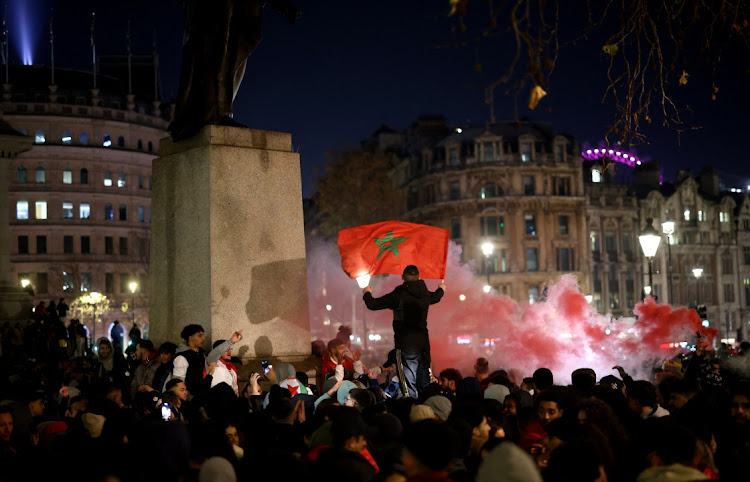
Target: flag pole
[130,73]
[93,45]
[6,52]
[156,70]
[52,43]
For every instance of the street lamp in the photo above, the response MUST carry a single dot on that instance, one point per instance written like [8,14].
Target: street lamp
[93,299]
[649,240]
[133,286]
[667,227]
[487,249]
[697,272]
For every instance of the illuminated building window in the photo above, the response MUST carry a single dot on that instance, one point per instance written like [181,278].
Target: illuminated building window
[687,215]
[533,294]
[68,282]
[41,209]
[121,179]
[107,140]
[107,178]
[66,137]
[530,220]
[109,214]
[526,151]
[22,210]
[39,137]
[67,176]
[67,210]
[41,175]
[723,217]
[85,281]
[596,175]
[84,210]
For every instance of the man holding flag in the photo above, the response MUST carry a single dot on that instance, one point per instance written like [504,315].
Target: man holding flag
[410,302]
[395,247]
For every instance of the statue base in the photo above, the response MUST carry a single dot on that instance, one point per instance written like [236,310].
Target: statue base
[228,243]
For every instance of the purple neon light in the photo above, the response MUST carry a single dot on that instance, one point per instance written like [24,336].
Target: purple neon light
[611,154]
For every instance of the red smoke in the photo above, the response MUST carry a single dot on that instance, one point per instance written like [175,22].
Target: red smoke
[561,332]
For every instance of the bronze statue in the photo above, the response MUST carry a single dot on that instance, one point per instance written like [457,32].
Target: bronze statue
[219,37]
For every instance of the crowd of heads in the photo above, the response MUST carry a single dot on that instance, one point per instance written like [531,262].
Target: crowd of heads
[167,412]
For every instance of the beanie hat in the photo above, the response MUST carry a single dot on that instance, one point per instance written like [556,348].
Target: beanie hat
[421,412]
[440,405]
[93,423]
[344,390]
[497,392]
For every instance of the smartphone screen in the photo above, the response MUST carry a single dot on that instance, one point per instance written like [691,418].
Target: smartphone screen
[264,364]
[166,411]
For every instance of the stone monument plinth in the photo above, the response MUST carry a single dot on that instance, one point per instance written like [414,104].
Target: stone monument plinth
[228,244]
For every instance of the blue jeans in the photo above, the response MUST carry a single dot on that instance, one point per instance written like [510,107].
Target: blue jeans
[413,372]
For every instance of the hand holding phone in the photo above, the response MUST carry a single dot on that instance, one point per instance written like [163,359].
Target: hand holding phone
[264,364]
[166,412]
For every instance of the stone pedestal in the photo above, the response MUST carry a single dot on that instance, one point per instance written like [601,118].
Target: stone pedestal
[227,243]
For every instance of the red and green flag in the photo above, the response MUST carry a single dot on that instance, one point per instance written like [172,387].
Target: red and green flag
[391,246]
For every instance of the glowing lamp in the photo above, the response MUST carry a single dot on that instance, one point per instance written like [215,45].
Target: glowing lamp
[667,227]
[618,153]
[462,297]
[487,249]
[638,162]
[363,280]
[647,290]
[25,283]
[459,130]
[487,288]
[589,152]
[649,239]
[697,272]
[607,331]
[596,151]
[328,307]
[589,298]
[705,323]
[611,151]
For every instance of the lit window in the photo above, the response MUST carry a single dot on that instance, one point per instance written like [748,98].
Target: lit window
[83,138]
[533,294]
[526,151]
[67,176]
[107,140]
[67,210]
[41,175]
[723,217]
[84,210]
[107,178]
[530,224]
[121,180]
[39,137]
[701,215]
[41,209]
[66,137]
[22,210]
[687,215]
[109,214]
[68,282]
[596,175]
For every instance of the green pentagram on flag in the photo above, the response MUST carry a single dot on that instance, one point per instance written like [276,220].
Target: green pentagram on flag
[388,243]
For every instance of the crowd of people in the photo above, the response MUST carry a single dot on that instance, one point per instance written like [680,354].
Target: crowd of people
[179,412]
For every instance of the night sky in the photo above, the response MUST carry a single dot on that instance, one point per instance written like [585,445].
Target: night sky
[349,66]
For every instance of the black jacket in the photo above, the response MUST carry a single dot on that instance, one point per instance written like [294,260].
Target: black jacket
[410,303]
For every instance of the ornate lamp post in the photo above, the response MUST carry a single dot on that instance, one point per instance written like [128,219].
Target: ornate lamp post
[487,249]
[133,286]
[667,227]
[649,240]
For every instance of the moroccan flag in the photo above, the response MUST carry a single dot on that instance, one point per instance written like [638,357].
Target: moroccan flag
[391,246]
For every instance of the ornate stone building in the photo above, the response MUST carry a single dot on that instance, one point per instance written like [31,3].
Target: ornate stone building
[81,197]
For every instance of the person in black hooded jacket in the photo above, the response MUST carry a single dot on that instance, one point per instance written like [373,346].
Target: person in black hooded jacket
[410,302]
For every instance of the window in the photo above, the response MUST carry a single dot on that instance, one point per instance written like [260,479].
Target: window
[531,260]
[565,259]
[84,211]
[140,144]
[124,281]
[526,151]
[614,288]
[41,209]
[109,245]
[701,215]
[23,245]
[121,179]
[84,176]
[723,217]
[109,282]
[107,141]
[528,186]
[563,222]
[559,153]
[727,266]
[68,244]
[530,224]
[487,152]
[746,224]
[85,281]
[141,214]
[68,282]
[85,244]
[140,181]
[455,228]
[627,246]
[503,261]
[41,283]
[562,186]
[729,293]
[142,247]
[686,214]
[120,141]
[67,176]
[83,138]
[596,175]
[39,137]
[109,214]
[455,191]
[488,190]
[66,137]
[123,245]
[150,146]
[22,175]
[107,178]
[629,288]
[746,254]
[22,210]
[41,245]
[123,212]
[453,156]
[67,210]
[150,181]
[492,226]
[533,294]
[610,244]
[41,175]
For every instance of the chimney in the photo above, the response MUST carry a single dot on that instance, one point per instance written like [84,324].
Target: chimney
[709,181]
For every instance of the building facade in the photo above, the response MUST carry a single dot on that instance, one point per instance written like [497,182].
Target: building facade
[80,199]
